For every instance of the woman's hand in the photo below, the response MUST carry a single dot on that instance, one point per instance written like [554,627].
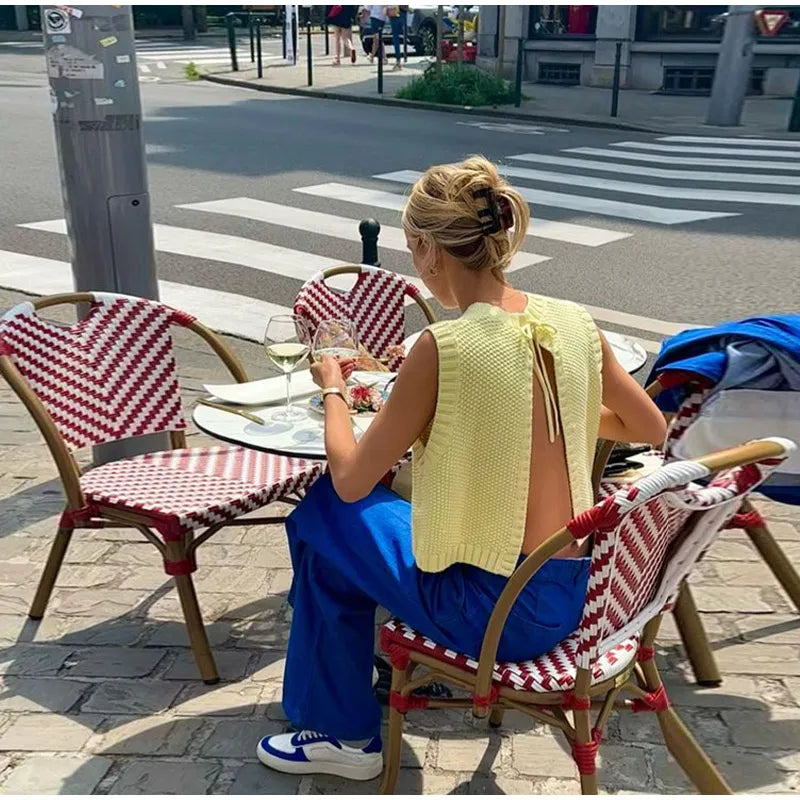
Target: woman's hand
[331,373]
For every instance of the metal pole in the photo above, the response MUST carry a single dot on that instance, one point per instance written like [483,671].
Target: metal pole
[794,117]
[615,84]
[230,21]
[732,75]
[439,39]
[201,18]
[97,116]
[380,64]
[518,77]
[259,60]
[252,37]
[405,36]
[283,36]
[309,54]
[369,230]
[460,53]
[501,40]
[327,40]
[294,34]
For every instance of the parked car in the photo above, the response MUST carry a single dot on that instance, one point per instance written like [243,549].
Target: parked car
[422,28]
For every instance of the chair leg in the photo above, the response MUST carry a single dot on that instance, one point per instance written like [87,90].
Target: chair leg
[394,747]
[196,629]
[694,639]
[691,757]
[496,718]
[50,574]
[775,559]
[584,749]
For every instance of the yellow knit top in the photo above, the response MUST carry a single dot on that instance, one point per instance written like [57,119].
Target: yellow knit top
[471,473]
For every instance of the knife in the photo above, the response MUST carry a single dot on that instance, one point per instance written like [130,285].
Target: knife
[247,415]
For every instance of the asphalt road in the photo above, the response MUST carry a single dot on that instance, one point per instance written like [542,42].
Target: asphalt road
[211,143]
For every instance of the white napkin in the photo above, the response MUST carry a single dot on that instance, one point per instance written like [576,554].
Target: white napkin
[265,391]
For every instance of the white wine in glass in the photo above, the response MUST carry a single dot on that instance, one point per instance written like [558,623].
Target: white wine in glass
[286,345]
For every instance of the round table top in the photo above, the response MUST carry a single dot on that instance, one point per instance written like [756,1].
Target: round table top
[306,439]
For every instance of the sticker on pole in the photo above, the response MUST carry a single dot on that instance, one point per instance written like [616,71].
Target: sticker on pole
[770,21]
[56,21]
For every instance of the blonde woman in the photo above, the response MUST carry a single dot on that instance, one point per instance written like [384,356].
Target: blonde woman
[502,408]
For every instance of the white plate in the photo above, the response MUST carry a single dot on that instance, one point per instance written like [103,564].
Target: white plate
[264,391]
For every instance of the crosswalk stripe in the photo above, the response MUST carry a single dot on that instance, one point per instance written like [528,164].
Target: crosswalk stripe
[223,311]
[654,172]
[326,224]
[726,140]
[144,68]
[716,151]
[161,65]
[182,56]
[543,228]
[685,160]
[222,247]
[653,190]
[591,205]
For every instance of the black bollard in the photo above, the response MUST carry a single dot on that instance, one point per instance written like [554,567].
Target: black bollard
[230,21]
[369,230]
[309,55]
[380,66]
[327,40]
[259,62]
[518,78]
[794,117]
[615,85]
[252,37]
[405,37]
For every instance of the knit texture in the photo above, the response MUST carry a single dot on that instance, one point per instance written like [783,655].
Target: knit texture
[471,476]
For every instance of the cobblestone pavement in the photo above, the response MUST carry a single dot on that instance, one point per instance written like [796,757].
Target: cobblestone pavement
[102,696]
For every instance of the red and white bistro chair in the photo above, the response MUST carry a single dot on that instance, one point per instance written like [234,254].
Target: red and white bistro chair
[747,518]
[646,538]
[111,376]
[375,304]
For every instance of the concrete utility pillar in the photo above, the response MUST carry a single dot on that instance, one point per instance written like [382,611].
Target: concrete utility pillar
[614,24]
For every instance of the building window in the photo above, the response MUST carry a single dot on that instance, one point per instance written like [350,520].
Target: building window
[546,22]
[686,23]
[562,74]
[699,80]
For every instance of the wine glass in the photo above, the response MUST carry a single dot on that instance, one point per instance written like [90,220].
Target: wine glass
[336,338]
[286,343]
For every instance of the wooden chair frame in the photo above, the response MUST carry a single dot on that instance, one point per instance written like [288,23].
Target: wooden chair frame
[181,550]
[687,618]
[641,679]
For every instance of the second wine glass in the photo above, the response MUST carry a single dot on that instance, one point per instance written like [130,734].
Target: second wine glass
[336,338]
[286,343]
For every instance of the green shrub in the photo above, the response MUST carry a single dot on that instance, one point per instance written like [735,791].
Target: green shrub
[191,71]
[463,85]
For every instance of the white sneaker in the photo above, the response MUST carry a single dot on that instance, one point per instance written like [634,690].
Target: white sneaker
[309,752]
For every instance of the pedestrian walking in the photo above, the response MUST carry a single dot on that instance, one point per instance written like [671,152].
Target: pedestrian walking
[397,21]
[377,22]
[341,19]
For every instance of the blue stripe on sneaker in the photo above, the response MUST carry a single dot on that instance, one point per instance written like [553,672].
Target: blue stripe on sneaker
[297,755]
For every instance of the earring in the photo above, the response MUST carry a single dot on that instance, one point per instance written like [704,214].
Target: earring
[433,272]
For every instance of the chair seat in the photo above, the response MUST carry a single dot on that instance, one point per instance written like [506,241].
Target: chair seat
[552,672]
[183,490]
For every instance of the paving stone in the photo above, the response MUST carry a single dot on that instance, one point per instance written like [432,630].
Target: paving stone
[236,580]
[271,634]
[166,777]
[744,772]
[17,601]
[469,753]
[755,658]
[739,573]
[226,700]
[21,547]
[783,530]
[168,608]
[623,767]
[735,692]
[280,581]
[45,775]
[704,723]
[16,573]
[270,666]
[174,634]
[97,602]
[729,598]
[557,786]
[113,662]
[328,784]
[775,728]
[238,738]
[132,697]
[414,752]
[542,755]
[88,552]
[668,632]
[418,782]
[49,732]
[231,665]
[32,660]
[132,554]
[225,555]
[725,550]
[257,779]
[499,784]
[150,736]
[793,685]
[88,576]
[774,629]
[39,694]
[100,631]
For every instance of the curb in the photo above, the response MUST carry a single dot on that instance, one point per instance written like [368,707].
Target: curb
[467,110]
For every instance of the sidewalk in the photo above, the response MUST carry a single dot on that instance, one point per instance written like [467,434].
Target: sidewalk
[102,696]
[582,105]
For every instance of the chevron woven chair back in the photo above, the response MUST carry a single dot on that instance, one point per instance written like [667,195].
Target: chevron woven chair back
[646,539]
[684,417]
[109,376]
[375,304]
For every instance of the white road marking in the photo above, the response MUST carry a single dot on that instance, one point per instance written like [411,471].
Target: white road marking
[714,151]
[651,158]
[654,172]
[513,127]
[727,140]
[161,65]
[591,205]
[543,228]
[227,249]
[324,224]
[223,311]
[653,190]
[144,68]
